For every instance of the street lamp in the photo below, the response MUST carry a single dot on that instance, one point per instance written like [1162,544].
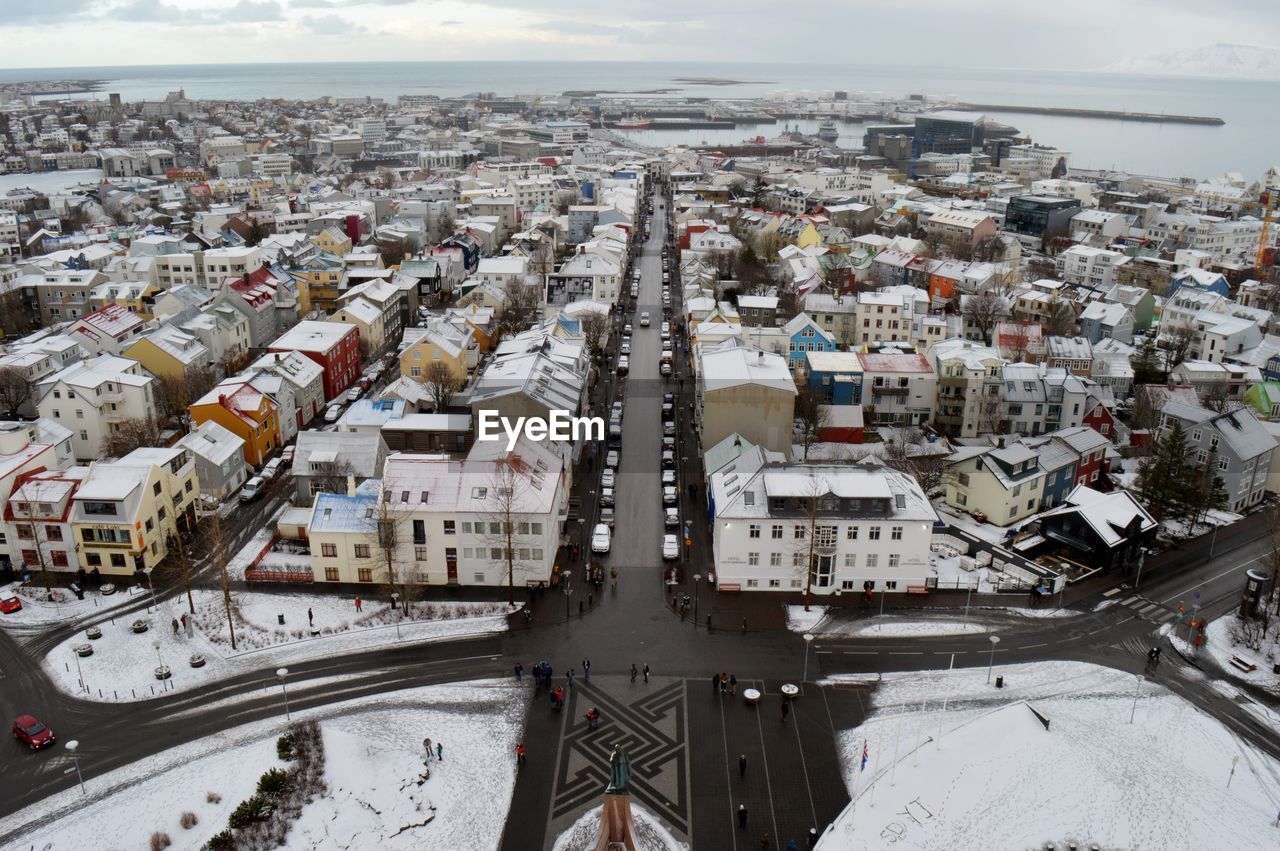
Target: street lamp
[79,673]
[995,639]
[282,673]
[808,639]
[72,747]
[1142,558]
[697,580]
[395,604]
[152,585]
[156,644]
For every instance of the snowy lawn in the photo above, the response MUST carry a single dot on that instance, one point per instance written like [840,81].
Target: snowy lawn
[649,833]
[798,620]
[999,779]
[1228,636]
[122,667]
[373,766]
[38,610]
[893,627]
[1178,530]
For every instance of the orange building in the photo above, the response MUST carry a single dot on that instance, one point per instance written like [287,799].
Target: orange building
[246,412]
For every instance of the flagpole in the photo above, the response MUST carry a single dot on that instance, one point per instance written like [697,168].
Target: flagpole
[919,725]
[874,770]
[897,736]
[853,812]
[945,696]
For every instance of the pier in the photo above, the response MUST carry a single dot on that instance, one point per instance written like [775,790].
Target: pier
[1109,114]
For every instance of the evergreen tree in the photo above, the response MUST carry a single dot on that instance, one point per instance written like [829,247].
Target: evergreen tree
[1166,478]
[1146,363]
[1208,493]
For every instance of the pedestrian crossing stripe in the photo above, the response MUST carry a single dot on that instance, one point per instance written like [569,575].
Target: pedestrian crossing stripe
[1129,600]
[1148,608]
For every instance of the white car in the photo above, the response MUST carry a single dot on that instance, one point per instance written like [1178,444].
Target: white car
[668,459]
[253,489]
[606,478]
[331,415]
[644,319]
[624,364]
[665,368]
[669,427]
[606,497]
[635,290]
[626,329]
[668,477]
[600,539]
[670,547]
[625,348]
[353,395]
[669,495]
[666,330]
[672,517]
[271,469]
[611,460]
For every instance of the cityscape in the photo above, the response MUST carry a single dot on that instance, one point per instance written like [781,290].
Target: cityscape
[393,450]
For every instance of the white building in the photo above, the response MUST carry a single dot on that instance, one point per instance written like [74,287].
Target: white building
[94,397]
[851,528]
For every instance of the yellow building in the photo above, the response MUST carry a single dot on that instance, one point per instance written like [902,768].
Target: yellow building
[246,412]
[168,352]
[439,342]
[333,241]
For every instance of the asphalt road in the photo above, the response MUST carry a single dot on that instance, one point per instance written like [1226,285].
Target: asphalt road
[631,625]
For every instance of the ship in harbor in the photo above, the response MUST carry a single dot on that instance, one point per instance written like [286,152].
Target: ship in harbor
[633,122]
[827,132]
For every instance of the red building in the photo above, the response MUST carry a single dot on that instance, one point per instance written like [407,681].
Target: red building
[333,345]
[1100,419]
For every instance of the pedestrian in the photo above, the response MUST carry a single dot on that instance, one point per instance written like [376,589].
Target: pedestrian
[742,816]
[426,746]
[175,626]
[764,842]
[715,684]
[569,678]
[742,765]
[1157,655]
[633,672]
[439,752]
[744,626]
[520,753]
[519,672]
[184,620]
[311,619]
[813,837]
[579,608]
[786,707]
[792,846]
[646,672]
[358,604]
[708,623]
[733,685]
[724,683]
[589,599]
[613,574]
[586,669]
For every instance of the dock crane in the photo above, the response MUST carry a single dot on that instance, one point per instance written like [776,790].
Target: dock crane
[1268,199]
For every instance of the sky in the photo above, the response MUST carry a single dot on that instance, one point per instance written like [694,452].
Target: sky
[1083,34]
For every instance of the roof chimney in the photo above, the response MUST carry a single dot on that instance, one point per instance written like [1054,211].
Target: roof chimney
[351,484]
[760,356]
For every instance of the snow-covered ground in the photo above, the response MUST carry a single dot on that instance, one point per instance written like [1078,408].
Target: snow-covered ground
[893,627]
[122,667]
[373,750]
[1177,530]
[998,779]
[649,833]
[1227,637]
[38,610]
[798,620]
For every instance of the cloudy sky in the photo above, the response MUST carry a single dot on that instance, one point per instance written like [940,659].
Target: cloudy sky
[960,33]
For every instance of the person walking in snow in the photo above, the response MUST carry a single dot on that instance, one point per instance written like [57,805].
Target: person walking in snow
[426,746]
[175,626]
[633,672]
[311,619]
[520,753]
[358,604]
[439,752]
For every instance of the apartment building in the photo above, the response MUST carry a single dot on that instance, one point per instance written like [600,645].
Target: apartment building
[92,398]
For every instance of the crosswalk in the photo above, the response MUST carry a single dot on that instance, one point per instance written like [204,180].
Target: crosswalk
[1148,609]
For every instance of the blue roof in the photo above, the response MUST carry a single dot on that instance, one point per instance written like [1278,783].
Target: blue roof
[337,512]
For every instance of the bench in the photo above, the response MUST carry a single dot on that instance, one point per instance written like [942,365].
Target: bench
[917,589]
[1243,665]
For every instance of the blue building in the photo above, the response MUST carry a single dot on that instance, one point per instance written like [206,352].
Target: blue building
[836,377]
[804,336]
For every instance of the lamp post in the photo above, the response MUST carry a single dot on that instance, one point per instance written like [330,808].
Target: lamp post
[697,584]
[395,604]
[156,644]
[152,585]
[1142,558]
[284,690]
[808,639]
[995,639]
[79,673]
[1134,708]
[72,748]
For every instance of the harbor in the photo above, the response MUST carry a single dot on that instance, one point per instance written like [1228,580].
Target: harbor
[1108,114]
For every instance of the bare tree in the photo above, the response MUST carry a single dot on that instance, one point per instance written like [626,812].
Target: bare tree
[130,435]
[909,452]
[1217,397]
[441,383]
[216,537]
[182,561]
[1061,321]
[813,541]
[1176,343]
[503,497]
[520,307]
[32,528]
[175,393]
[983,311]
[812,414]
[594,327]
[327,476]
[387,528]
[1015,343]
[15,390]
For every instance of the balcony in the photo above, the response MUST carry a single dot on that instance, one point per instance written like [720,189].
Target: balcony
[891,391]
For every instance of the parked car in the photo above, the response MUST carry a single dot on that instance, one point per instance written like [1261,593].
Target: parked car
[666,330]
[615,410]
[668,459]
[672,517]
[9,605]
[606,496]
[252,489]
[670,547]
[286,455]
[354,394]
[669,495]
[644,319]
[624,348]
[364,382]
[669,427]
[664,368]
[668,442]
[606,517]
[332,415]
[607,477]
[626,329]
[635,290]
[624,365]
[668,477]
[600,538]
[271,469]
[611,460]
[33,732]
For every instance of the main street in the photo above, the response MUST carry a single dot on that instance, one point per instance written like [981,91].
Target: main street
[685,742]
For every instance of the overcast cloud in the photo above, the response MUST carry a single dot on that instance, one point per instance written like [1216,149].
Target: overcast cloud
[941,33]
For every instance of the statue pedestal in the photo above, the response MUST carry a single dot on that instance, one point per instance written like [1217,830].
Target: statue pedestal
[615,824]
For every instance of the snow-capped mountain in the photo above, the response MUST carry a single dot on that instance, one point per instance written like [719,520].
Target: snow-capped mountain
[1241,61]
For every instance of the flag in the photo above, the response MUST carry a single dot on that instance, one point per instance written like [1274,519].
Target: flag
[865,755]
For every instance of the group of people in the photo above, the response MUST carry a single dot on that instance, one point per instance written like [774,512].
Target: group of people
[437,753]
[765,844]
[724,684]
[541,673]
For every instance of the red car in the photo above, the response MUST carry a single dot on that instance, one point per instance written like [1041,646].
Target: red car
[32,732]
[9,605]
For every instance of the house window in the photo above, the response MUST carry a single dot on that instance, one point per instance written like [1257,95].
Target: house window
[448,527]
[776,532]
[775,583]
[894,559]
[852,533]
[850,560]
[799,532]
[873,533]
[775,559]
[331,574]
[479,578]
[797,559]
[362,550]
[753,530]
[891,585]
[873,560]
[753,559]
[466,527]
[420,554]
[93,560]
[329,550]
[895,533]
[364,574]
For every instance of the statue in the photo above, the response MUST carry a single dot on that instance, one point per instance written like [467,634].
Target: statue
[619,772]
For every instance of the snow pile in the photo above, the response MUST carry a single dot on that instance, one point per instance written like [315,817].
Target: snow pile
[373,763]
[1230,636]
[798,620]
[649,833]
[999,779]
[122,667]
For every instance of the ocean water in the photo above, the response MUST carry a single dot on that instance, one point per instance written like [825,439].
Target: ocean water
[1246,143]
